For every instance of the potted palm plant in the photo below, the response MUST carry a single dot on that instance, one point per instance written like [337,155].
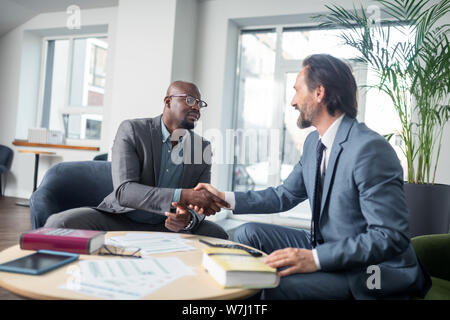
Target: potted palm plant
[415,73]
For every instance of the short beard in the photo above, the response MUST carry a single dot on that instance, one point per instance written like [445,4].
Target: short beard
[187,125]
[305,119]
[303,123]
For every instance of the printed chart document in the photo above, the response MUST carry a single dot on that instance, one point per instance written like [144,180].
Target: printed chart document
[125,278]
[132,278]
[152,243]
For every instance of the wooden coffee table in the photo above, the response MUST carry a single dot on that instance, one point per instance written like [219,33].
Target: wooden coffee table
[46,286]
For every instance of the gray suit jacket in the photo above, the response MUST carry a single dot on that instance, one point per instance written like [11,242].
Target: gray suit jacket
[364,219]
[136,161]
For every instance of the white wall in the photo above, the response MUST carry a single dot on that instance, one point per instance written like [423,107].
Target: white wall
[184,40]
[143,60]
[28,82]
[443,170]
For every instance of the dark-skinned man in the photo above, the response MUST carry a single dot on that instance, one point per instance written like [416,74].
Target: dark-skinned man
[156,162]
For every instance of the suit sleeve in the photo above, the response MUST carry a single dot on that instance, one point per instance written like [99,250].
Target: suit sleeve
[126,174]
[272,200]
[378,178]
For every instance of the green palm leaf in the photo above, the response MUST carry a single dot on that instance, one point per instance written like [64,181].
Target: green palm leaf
[417,67]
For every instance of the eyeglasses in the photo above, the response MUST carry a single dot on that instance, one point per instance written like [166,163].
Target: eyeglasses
[111,250]
[191,101]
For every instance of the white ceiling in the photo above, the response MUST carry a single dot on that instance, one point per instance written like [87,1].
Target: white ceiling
[13,13]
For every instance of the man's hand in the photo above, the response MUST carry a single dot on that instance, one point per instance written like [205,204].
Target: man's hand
[298,261]
[202,198]
[178,220]
[211,189]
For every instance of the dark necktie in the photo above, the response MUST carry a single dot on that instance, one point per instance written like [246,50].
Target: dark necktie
[317,194]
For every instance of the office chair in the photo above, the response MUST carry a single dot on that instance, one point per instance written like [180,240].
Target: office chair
[101,157]
[433,252]
[6,155]
[69,185]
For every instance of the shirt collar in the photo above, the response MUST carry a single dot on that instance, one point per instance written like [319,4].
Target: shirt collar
[330,134]
[164,131]
[166,134]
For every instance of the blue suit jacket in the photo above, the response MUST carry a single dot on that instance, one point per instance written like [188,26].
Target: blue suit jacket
[364,219]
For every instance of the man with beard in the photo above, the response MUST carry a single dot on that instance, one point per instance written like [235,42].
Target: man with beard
[358,246]
[156,161]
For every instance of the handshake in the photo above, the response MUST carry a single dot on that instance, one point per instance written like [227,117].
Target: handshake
[204,199]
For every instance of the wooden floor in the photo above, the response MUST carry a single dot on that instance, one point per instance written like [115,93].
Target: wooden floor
[13,221]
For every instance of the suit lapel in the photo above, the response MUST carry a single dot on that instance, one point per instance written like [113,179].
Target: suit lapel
[341,137]
[156,136]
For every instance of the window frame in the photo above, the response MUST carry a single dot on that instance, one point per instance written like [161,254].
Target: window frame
[67,108]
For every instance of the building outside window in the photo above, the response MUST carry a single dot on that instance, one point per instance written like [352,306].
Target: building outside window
[73,86]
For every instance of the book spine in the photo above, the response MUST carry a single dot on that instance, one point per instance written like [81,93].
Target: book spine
[55,243]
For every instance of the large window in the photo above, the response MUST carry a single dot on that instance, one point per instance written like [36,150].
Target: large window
[269,62]
[73,86]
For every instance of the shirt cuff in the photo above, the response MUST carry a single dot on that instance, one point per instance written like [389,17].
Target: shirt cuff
[230,198]
[316,258]
[176,195]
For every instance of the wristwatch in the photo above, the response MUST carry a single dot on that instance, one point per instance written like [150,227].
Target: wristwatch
[190,222]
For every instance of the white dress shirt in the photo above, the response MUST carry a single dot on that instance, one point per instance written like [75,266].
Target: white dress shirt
[327,139]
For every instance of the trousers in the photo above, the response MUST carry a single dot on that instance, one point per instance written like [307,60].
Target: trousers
[301,286]
[92,219]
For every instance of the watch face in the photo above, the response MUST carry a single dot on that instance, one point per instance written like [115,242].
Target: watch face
[190,223]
